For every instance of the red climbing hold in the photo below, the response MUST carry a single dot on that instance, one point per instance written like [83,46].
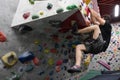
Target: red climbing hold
[59,62]
[26,15]
[53,50]
[2,37]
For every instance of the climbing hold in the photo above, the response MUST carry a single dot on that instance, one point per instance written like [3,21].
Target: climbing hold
[29,68]
[71,7]
[35,16]
[104,64]
[41,72]
[60,10]
[41,12]
[24,28]
[118,48]
[40,48]
[26,15]
[26,56]
[46,51]
[49,6]
[87,60]
[2,37]
[87,1]
[59,62]
[53,50]
[32,1]
[9,59]
[50,61]
[57,68]
[36,61]
[37,42]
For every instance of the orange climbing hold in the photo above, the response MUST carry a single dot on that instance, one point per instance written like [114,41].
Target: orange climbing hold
[36,61]
[2,37]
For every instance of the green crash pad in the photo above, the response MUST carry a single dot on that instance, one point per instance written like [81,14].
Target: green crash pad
[90,74]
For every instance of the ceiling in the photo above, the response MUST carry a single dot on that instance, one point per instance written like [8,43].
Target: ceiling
[107,8]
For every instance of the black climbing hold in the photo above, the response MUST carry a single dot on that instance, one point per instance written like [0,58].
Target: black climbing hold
[60,10]
[24,28]
[119,48]
[49,6]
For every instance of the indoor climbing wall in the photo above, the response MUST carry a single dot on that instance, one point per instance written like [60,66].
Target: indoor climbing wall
[109,60]
[32,10]
[44,53]
[47,56]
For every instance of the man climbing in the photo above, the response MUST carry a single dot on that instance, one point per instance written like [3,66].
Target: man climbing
[98,41]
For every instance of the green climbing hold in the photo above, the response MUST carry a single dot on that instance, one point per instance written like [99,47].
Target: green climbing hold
[60,10]
[117,32]
[29,68]
[35,16]
[32,1]
[71,7]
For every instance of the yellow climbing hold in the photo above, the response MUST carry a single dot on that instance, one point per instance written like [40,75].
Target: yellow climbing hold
[46,51]
[50,61]
[87,1]
[87,60]
[41,12]
[37,42]
[9,59]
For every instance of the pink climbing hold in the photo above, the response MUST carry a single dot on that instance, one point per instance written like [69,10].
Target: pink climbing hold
[104,64]
[58,69]
[26,15]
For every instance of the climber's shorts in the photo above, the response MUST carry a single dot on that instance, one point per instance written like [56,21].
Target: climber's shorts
[95,46]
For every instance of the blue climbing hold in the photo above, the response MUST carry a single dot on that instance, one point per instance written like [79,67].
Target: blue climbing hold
[26,56]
